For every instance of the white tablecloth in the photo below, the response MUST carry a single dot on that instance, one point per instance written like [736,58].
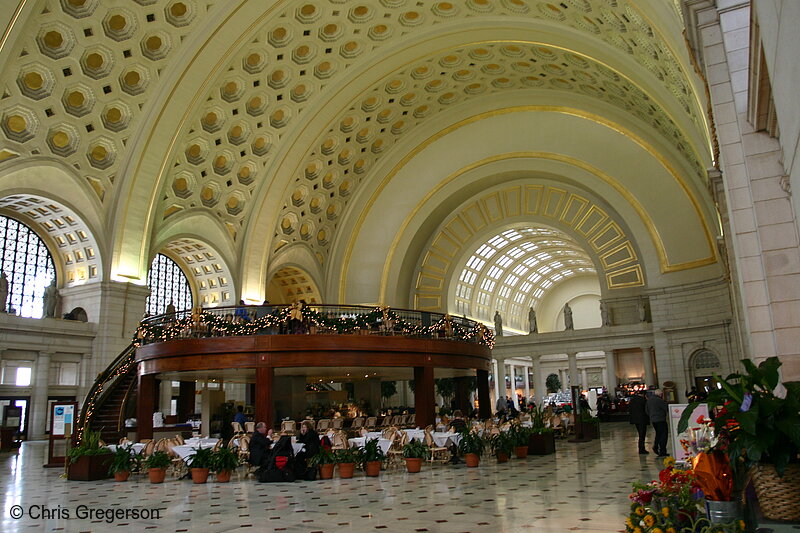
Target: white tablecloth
[418,434]
[137,447]
[194,441]
[186,451]
[359,442]
[445,439]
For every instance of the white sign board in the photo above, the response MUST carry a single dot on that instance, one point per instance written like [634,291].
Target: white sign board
[675,413]
[62,418]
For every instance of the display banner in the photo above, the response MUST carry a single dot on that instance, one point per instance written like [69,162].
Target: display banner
[675,413]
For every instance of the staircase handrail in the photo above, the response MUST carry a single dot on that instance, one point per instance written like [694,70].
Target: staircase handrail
[119,366]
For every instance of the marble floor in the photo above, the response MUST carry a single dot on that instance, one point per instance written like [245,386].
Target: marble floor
[583,487]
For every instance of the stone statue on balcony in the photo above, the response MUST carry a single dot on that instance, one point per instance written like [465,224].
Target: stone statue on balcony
[640,308]
[568,323]
[605,315]
[3,291]
[51,298]
[533,328]
[498,324]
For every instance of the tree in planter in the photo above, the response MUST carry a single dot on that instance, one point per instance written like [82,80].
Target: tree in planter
[520,437]
[123,463]
[201,463]
[542,438]
[156,464]
[445,387]
[388,389]
[224,461]
[371,458]
[414,453]
[471,446]
[89,460]
[502,446]
[553,383]
[347,458]
[325,460]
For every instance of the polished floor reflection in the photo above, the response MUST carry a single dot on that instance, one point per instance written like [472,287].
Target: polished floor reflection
[583,487]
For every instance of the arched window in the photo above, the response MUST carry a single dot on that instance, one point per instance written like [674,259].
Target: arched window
[167,284]
[705,360]
[28,266]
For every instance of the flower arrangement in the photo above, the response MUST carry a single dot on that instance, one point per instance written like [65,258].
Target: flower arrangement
[672,504]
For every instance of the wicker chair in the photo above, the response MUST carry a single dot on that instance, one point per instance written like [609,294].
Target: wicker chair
[337,423]
[237,428]
[288,427]
[323,425]
[371,422]
[438,453]
[249,427]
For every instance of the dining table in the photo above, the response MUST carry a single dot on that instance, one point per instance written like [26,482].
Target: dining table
[136,447]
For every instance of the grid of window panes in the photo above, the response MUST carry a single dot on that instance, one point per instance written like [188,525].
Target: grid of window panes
[511,272]
[28,266]
[167,284]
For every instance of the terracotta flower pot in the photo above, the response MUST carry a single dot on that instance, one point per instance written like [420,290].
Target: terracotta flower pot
[346,470]
[502,457]
[413,464]
[122,476]
[521,452]
[326,471]
[157,475]
[199,475]
[472,459]
[373,468]
[224,476]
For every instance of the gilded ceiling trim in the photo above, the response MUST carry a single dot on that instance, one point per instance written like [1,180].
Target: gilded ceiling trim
[12,22]
[664,264]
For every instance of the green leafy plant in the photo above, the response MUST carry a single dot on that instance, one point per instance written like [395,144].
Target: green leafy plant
[519,435]
[224,459]
[471,442]
[202,458]
[157,459]
[501,443]
[124,460]
[372,452]
[751,423]
[416,450]
[324,457]
[90,445]
[348,455]
[538,421]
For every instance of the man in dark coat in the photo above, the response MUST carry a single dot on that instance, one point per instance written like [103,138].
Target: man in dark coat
[658,411]
[639,418]
[260,445]
[310,439]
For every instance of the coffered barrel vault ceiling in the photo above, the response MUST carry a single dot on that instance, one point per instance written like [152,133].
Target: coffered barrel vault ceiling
[267,119]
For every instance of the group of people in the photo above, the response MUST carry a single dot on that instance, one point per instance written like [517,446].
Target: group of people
[277,461]
[650,410]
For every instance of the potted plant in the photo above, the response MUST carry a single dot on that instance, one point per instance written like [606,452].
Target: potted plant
[201,463]
[542,440]
[156,464]
[123,462]
[372,457]
[590,425]
[89,460]
[326,462]
[471,446]
[502,446]
[347,458]
[520,436]
[414,452]
[759,431]
[224,461]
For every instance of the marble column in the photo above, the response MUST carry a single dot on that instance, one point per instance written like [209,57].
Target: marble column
[573,369]
[584,379]
[647,359]
[496,373]
[165,397]
[513,391]
[526,383]
[611,371]
[540,380]
[38,407]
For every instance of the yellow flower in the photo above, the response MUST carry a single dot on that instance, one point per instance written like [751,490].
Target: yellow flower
[649,520]
[637,530]
[669,461]
[665,512]
[741,524]
[629,522]
[639,511]
[658,530]
[671,530]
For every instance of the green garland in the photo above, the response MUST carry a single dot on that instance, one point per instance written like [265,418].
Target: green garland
[224,326]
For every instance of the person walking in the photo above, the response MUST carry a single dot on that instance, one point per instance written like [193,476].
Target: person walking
[658,410]
[639,418]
